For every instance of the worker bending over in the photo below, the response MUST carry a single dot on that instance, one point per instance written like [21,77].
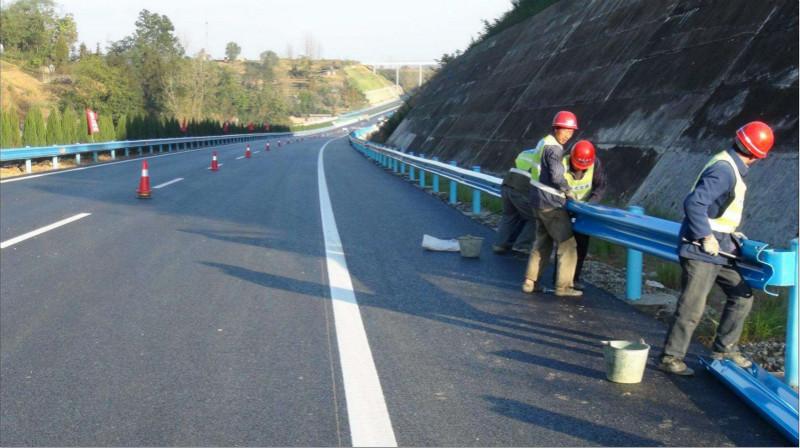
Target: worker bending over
[713,212]
[548,198]
[517,224]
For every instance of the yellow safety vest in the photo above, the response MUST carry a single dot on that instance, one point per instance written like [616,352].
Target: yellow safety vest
[582,187]
[731,217]
[529,162]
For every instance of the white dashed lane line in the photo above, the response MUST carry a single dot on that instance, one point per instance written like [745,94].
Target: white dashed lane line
[168,183]
[42,230]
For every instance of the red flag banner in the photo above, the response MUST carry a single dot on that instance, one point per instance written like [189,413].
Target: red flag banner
[251,127]
[184,127]
[225,127]
[266,127]
[91,122]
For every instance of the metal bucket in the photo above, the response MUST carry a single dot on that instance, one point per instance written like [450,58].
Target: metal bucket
[625,360]
[470,246]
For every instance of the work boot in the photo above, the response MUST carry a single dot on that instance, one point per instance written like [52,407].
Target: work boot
[736,357]
[499,249]
[675,366]
[530,287]
[568,292]
[522,250]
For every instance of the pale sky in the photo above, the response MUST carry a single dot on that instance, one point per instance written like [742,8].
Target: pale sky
[364,30]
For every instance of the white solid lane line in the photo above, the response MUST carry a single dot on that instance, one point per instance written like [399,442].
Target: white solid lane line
[168,183]
[240,157]
[42,230]
[256,152]
[369,421]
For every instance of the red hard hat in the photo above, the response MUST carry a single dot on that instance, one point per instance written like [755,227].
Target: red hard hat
[582,155]
[755,138]
[565,119]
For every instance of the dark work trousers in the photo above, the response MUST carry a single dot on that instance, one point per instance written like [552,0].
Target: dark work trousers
[697,279]
[517,226]
[583,249]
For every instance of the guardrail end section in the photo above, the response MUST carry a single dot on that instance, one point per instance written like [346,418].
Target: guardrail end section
[775,401]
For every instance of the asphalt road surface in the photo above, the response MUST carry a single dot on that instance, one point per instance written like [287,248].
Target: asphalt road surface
[281,301]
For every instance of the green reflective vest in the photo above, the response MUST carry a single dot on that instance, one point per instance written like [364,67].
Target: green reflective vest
[529,162]
[731,217]
[582,187]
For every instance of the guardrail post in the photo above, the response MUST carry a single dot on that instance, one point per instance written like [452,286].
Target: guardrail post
[77,158]
[476,195]
[633,281]
[94,157]
[28,167]
[113,154]
[55,162]
[435,178]
[453,186]
[422,174]
[790,360]
[127,152]
[151,149]
[411,170]
[402,168]
[395,166]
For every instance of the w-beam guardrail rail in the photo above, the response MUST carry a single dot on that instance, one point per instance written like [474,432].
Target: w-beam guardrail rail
[144,146]
[760,267]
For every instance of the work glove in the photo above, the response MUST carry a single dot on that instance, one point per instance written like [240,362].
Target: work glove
[711,245]
[740,236]
[570,195]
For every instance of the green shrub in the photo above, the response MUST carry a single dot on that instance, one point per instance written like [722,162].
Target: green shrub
[55,130]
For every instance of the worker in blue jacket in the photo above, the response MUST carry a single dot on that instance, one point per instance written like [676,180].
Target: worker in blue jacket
[713,212]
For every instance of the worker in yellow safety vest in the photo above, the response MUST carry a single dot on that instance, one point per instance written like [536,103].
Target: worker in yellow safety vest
[713,212]
[585,175]
[548,199]
[516,229]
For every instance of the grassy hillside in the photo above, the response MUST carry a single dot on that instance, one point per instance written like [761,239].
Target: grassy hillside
[23,90]
[364,80]
[339,85]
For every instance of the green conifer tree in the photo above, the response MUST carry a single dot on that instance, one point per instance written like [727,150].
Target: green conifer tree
[107,132]
[33,131]
[122,128]
[55,130]
[83,130]
[69,126]
[5,129]
[13,120]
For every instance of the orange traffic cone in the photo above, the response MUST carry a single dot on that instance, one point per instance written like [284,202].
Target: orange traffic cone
[214,166]
[247,152]
[144,183]
[266,147]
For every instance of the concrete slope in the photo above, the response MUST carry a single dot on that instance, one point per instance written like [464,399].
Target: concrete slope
[658,86]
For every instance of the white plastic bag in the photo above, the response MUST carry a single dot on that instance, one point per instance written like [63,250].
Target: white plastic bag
[433,243]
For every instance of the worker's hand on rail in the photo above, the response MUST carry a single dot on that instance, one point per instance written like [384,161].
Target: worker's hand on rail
[740,236]
[711,245]
[569,195]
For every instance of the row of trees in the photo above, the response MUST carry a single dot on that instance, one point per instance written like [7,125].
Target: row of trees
[69,127]
[148,75]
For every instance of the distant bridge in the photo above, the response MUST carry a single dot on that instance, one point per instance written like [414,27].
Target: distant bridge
[397,66]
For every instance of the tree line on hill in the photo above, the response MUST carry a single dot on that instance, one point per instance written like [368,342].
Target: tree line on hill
[148,78]
[69,127]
